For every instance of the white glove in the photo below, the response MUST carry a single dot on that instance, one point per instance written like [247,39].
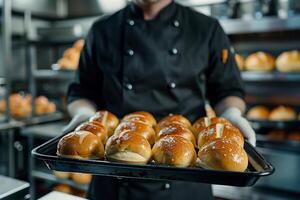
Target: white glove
[234,115]
[81,111]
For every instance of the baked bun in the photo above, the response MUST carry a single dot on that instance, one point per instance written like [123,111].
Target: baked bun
[107,119]
[128,147]
[139,128]
[276,135]
[63,188]
[62,175]
[220,131]
[175,151]
[283,113]
[179,130]
[80,145]
[204,122]
[260,61]
[96,128]
[240,61]
[294,136]
[81,178]
[141,116]
[223,154]
[172,119]
[78,45]
[67,64]
[258,113]
[288,61]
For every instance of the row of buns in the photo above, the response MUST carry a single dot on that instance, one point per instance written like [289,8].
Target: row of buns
[71,56]
[288,61]
[21,106]
[280,113]
[278,135]
[139,139]
[79,178]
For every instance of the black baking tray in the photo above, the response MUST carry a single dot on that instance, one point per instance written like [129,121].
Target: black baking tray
[281,125]
[258,167]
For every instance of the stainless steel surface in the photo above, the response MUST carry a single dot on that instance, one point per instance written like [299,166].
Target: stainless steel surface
[54,74]
[9,186]
[48,131]
[286,175]
[270,76]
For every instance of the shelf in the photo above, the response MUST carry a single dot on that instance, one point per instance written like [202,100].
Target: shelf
[54,74]
[266,24]
[279,125]
[270,76]
[10,125]
[42,119]
[52,178]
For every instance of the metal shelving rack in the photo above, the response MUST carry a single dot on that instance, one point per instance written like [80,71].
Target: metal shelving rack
[270,76]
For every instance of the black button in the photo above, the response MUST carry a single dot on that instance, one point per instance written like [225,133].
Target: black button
[172,85]
[130,22]
[176,23]
[130,52]
[174,51]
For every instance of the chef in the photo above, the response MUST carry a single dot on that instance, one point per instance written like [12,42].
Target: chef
[160,57]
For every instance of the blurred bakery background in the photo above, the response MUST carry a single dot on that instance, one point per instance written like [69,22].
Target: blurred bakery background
[39,51]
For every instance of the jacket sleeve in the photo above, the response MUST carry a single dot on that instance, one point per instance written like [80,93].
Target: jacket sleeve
[87,83]
[222,74]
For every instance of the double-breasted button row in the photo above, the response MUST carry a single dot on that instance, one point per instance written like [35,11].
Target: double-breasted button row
[131,22]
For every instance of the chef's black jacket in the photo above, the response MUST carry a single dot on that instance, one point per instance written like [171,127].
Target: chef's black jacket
[170,64]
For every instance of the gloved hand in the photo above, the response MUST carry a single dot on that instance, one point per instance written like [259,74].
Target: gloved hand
[234,115]
[80,111]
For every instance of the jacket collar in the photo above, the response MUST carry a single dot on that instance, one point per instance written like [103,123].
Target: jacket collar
[165,14]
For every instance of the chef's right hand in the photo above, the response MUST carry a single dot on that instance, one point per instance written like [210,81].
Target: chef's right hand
[80,111]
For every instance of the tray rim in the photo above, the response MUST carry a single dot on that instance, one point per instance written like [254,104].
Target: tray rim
[267,171]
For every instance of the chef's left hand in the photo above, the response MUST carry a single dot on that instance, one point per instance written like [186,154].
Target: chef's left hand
[234,115]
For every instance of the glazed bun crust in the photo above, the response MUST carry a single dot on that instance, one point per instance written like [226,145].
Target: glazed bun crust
[223,154]
[283,113]
[260,61]
[128,147]
[143,116]
[170,119]
[174,151]
[179,130]
[288,61]
[204,122]
[220,131]
[80,145]
[96,128]
[258,113]
[107,119]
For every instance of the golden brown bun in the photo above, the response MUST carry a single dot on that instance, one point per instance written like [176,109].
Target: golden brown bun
[240,61]
[81,178]
[139,127]
[175,151]
[204,122]
[294,136]
[67,64]
[80,145]
[283,113]
[96,128]
[51,108]
[128,147]
[71,54]
[276,135]
[62,175]
[258,113]
[41,105]
[260,61]
[223,154]
[63,188]
[141,116]
[78,45]
[19,106]
[177,130]
[220,131]
[288,61]
[173,119]
[107,119]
